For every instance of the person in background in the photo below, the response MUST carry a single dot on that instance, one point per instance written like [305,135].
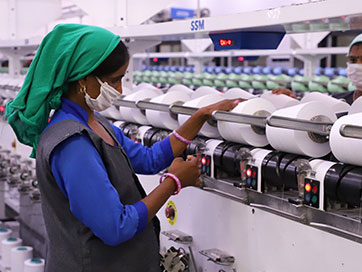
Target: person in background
[97,215]
[354,73]
[354,65]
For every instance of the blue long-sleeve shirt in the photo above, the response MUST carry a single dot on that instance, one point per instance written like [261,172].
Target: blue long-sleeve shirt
[81,175]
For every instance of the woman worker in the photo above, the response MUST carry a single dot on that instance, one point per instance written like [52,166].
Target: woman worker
[97,215]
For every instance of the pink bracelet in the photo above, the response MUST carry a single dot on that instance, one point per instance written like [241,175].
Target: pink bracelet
[172,176]
[180,138]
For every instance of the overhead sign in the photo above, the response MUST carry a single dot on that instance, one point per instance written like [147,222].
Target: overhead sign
[181,13]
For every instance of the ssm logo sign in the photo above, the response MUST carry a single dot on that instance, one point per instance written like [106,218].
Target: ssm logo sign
[197,25]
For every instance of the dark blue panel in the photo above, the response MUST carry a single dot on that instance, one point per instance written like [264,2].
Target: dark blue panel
[246,40]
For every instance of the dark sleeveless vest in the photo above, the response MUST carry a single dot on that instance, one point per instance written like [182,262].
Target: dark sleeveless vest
[71,245]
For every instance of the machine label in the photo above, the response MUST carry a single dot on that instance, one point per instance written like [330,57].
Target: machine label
[197,25]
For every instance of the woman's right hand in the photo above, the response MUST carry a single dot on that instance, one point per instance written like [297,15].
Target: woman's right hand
[188,172]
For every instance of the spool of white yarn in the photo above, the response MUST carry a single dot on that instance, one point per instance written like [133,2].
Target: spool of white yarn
[144,86]
[356,106]
[135,115]
[166,119]
[280,101]
[203,90]
[111,112]
[335,104]
[346,149]
[34,265]
[244,133]
[6,246]
[301,142]
[18,256]
[207,129]
[180,88]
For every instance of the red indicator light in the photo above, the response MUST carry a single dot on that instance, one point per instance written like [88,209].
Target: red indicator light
[240,58]
[155,59]
[254,174]
[226,42]
[248,172]
[203,160]
[315,189]
[2,109]
[343,17]
[308,187]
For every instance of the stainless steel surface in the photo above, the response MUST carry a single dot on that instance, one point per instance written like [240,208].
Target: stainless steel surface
[259,121]
[344,223]
[177,109]
[351,131]
[147,105]
[218,256]
[178,236]
[125,103]
[321,128]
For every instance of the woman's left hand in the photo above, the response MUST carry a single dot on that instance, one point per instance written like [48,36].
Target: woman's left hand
[224,105]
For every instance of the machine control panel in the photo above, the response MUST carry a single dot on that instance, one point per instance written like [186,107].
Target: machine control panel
[311,192]
[205,161]
[251,175]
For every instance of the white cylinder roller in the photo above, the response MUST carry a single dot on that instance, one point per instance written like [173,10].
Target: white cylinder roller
[18,256]
[207,129]
[346,149]
[247,134]
[280,101]
[335,104]
[301,142]
[34,265]
[166,119]
[135,115]
[204,90]
[235,93]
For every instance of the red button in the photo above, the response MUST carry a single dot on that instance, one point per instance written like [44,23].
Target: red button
[315,189]
[170,213]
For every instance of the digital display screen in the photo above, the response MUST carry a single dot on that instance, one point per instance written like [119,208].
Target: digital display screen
[226,42]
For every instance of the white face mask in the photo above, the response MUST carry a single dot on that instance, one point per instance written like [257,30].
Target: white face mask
[105,99]
[354,73]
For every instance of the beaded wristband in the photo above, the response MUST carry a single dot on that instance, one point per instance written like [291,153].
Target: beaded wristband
[172,176]
[180,138]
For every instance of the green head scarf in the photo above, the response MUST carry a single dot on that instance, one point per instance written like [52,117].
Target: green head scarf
[66,54]
[357,39]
